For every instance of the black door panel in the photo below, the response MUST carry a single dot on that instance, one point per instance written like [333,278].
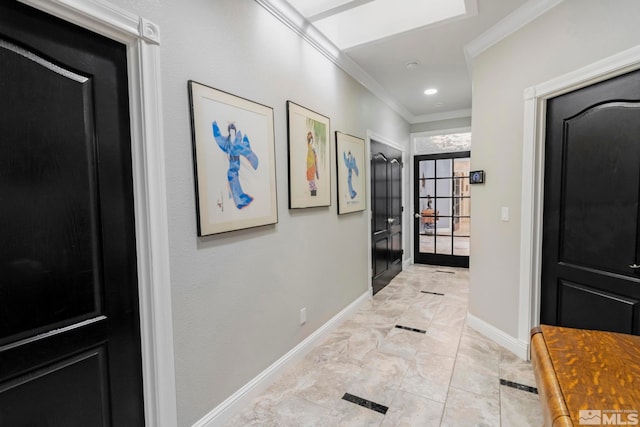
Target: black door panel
[615,313]
[591,210]
[57,389]
[386,192]
[69,327]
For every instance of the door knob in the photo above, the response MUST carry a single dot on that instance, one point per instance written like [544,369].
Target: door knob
[634,266]
[390,220]
[417,215]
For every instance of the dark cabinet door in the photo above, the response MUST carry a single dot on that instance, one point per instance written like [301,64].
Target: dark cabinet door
[69,324]
[591,271]
[386,194]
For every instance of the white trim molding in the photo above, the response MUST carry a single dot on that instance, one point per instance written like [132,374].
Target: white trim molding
[517,346]
[535,101]
[142,39]
[445,115]
[507,26]
[243,397]
[289,16]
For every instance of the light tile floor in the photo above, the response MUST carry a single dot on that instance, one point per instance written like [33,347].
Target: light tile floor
[449,376]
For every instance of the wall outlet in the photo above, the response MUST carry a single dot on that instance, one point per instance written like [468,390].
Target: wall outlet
[303,315]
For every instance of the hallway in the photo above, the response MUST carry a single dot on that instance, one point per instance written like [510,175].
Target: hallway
[407,358]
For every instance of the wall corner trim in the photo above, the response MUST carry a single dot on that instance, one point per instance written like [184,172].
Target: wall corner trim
[243,397]
[519,347]
[149,31]
[507,26]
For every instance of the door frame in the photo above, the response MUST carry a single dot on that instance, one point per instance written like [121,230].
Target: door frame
[371,135]
[415,235]
[412,183]
[535,103]
[142,40]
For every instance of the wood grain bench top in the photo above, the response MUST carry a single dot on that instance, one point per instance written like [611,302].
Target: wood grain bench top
[578,369]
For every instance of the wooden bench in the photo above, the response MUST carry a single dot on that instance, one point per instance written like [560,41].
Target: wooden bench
[586,373]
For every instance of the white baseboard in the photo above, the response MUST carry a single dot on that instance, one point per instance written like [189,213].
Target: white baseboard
[518,347]
[243,397]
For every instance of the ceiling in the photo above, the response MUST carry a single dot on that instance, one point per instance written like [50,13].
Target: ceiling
[437,50]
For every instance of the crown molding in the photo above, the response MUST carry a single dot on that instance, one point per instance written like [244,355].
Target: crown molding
[289,16]
[445,115]
[507,26]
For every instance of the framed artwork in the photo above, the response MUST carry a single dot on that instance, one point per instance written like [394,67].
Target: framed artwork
[309,158]
[234,161]
[351,168]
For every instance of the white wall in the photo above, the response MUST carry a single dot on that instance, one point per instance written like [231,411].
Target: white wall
[572,35]
[437,125]
[236,297]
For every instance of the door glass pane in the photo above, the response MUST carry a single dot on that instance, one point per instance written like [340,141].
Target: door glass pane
[443,168]
[427,216]
[443,213]
[461,166]
[427,169]
[444,187]
[443,242]
[461,246]
[461,226]
[428,243]
[427,187]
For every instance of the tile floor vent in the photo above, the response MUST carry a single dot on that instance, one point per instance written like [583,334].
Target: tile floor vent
[365,403]
[519,386]
[432,293]
[406,328]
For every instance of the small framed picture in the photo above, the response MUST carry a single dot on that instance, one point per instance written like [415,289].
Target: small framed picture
[476,177]
[309,158]
[351,167]
[234,161]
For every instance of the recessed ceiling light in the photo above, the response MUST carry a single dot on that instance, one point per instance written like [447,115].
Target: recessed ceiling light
[431,91]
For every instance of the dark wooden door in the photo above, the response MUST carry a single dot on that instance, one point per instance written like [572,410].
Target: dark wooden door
[591,271]
[443,209]
[69,323]
[386,221]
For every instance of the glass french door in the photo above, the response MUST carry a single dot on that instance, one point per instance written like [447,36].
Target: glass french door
[443,209]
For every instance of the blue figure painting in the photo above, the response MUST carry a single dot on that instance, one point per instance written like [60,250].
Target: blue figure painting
[235,145]
[350,163]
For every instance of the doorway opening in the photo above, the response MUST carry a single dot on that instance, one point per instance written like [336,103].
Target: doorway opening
[443,209]
[535,102]
[441,197]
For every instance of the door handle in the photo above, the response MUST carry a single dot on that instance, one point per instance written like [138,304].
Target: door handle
[417,215]
[634,266]
[390,220]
